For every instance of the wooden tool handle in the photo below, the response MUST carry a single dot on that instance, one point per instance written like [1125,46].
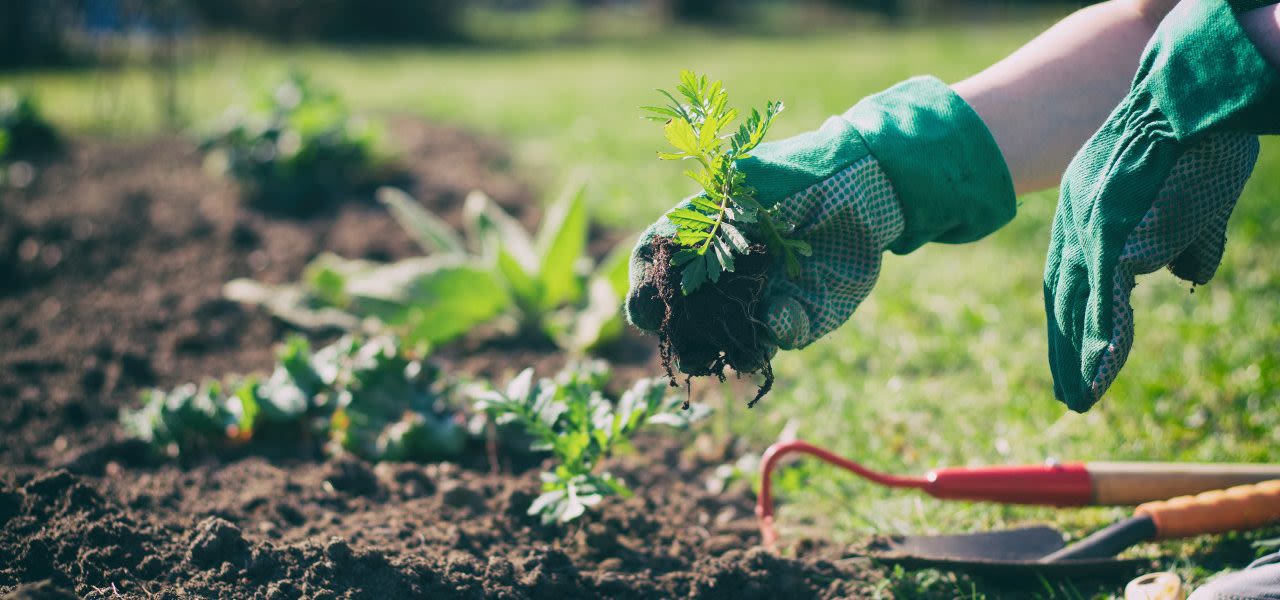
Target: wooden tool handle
[1131,483]
[1239,508]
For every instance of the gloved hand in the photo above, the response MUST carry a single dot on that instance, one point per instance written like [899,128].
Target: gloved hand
[906,166]
[1154,187]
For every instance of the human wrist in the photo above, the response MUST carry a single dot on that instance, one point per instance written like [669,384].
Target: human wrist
[1262,25]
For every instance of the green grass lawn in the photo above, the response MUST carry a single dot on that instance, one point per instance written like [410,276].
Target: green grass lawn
[944,365]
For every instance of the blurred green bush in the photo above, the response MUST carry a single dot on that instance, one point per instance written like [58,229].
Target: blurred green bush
[364,20]
[296,151]
[24,132]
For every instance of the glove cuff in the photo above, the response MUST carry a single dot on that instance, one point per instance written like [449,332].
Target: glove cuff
[949,175]
[1202,57]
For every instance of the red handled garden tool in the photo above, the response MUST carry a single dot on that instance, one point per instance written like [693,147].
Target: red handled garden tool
[1041,549]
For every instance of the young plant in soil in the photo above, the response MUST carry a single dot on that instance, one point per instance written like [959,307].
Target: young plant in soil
[571,417]
[711,275]
[371,398]
[24,131]
[494,272]
[298,149]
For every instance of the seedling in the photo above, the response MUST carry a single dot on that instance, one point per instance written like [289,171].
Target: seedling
[570,417]
[492,269]
[24,131]
[711,274]
[296,150]
[555,289]
[370,398]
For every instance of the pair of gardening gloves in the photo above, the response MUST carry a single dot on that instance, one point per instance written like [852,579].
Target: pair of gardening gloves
[1153,188]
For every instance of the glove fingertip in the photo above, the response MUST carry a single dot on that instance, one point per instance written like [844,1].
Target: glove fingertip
[643,308]
[788,323]
[1064,359]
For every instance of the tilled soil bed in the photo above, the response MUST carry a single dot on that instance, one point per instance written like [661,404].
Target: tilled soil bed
[111,265]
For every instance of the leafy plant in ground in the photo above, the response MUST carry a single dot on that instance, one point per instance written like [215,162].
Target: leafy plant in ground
[24,132]
[711,274]
[370,398]
[571,417]
[296,149]
[543,283]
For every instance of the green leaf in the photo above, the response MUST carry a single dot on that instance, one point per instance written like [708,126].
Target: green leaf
[524,287]
[431,233]
[663,112]
[562,246]
[735,238]
[490,227]
[676,105]
[723,254]
[433,299]
[688,237]
[327,283]
[693,276]
[683,257]
[292,303]
[714,266]
[682,137]
[689,218]
[705,203]
[707,134]
[601,321]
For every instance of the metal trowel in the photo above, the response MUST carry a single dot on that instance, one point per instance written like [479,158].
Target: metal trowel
[1040,550]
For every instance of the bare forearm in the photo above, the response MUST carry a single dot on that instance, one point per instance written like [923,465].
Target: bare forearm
[1263,27]
[1042,102]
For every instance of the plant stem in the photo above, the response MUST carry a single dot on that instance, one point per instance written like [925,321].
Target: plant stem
[775,238]
[715,227]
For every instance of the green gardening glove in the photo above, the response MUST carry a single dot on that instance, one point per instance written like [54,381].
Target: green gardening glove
[906,166]
[1154,187]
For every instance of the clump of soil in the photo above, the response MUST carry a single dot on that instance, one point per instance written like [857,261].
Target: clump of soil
[717,325]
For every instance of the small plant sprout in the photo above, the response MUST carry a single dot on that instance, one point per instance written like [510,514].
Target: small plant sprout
[541,287]
[24,131]
[720,222]
[370,398]
[570,417]
[297,149]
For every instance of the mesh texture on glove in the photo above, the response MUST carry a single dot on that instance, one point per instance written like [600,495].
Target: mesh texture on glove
[848,240]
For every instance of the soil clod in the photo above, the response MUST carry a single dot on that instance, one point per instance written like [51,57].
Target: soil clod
[716,326]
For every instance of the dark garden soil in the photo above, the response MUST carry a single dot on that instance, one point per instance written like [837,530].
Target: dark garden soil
[111,265]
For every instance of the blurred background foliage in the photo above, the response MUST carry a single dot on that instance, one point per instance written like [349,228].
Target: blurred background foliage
[61,32]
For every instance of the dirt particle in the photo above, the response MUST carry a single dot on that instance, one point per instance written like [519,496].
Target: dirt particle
[338,551]
[456,494]
[351,475]
[217,540]
[406,480]
[50,485]
[10,505]
[41,590]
